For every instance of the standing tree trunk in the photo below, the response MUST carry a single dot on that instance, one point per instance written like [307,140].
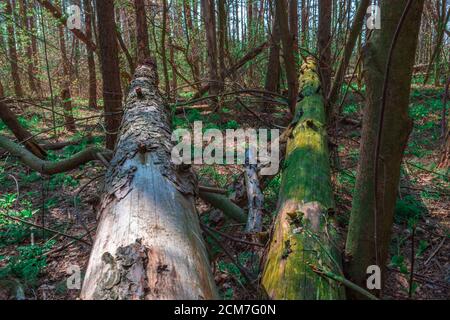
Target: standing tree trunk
[148,244]
[109,59]
[288,50]
[14,62]
[90,56]
[2,90]
[293,26]
[163,47]
[274,66]
[222,36]
[34,47]
[194,50]
[372,213]
[304,237]
[28,50]
[305,17]
[66,97]
[209,15]
[324,45]
[348,50]
[141,31]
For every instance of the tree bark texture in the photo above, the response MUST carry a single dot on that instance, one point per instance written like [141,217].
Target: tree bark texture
[148,244]
[304,236]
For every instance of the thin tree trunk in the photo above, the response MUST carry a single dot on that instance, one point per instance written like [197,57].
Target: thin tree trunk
[141,31]
[348,50]
[91,58]
[222,32]
[109,59]
[288,50]
[235,67]
[149,244]
[274,66]
[163,47]
[28,49]
[293,26]
[372,212]
[13,58]
[209,16]
[305,17]
[324,45]
[66,96]
[193,59]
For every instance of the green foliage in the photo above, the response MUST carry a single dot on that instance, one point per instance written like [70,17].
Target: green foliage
[271,196]
[211,173]
[27,264]
[408,208]
[62,179]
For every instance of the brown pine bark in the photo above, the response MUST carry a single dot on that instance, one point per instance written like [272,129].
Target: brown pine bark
[324,45]
[90,56]
[192,55]
[109,59]
[34,48]
[12,50]
[305,17]
[163,47]
[28,48]
[143,45]
[2,90]
[373,206]
[222,33]
[293,26]
[66,96]
[209,17]
[274,66]
[282,17]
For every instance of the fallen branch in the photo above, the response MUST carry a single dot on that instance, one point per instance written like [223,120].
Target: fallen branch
[224,204]
[48,167]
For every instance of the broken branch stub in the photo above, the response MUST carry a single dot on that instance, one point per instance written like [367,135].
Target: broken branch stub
[149,243]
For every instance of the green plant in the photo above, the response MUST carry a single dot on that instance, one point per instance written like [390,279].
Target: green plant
[27,264]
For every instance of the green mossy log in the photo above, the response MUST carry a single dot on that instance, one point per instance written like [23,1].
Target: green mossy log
[304,236]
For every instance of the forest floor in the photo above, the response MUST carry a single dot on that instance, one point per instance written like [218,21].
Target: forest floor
[36,265]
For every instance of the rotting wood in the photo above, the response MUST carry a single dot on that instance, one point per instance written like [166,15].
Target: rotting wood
[304,234]
[254,195]
[149,243]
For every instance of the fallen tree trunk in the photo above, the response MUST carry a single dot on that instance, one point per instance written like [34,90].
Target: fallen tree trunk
[304,236]
[228,207]
[24,137]
[49,167]
[254,195]
[149,244]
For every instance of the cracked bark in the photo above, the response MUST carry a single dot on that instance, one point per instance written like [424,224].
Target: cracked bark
[147,214]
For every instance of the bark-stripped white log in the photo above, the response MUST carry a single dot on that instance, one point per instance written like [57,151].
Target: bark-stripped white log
[254,195]
[148,244]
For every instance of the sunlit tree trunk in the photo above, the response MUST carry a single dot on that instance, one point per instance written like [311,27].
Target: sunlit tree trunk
[372,212]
